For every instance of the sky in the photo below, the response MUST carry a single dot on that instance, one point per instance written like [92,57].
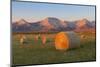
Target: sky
[32,11]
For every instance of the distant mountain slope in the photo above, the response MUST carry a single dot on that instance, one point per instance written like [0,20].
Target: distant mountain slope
[52,24]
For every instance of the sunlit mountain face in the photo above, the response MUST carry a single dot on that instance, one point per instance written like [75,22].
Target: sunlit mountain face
[52,24]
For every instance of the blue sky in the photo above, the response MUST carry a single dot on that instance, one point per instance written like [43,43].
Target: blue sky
[38,11]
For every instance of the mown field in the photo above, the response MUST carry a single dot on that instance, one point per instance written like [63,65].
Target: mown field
[34,53]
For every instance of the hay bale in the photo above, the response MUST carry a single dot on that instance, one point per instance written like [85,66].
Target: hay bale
[22,39]
[83,36]
[44,39]
[66,40]
[36,38]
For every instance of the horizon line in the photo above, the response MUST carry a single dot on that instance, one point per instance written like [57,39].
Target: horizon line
[51,17]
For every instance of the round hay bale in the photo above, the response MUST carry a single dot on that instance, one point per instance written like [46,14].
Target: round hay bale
[83,36]
[66,40]
[22,39]
[44,39]
[36,38]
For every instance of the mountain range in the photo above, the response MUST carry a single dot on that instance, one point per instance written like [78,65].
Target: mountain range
[52,24]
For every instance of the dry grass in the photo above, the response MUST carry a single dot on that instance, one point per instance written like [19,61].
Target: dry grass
[34,53]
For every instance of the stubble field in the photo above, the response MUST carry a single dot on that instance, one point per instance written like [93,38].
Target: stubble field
[33,52]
